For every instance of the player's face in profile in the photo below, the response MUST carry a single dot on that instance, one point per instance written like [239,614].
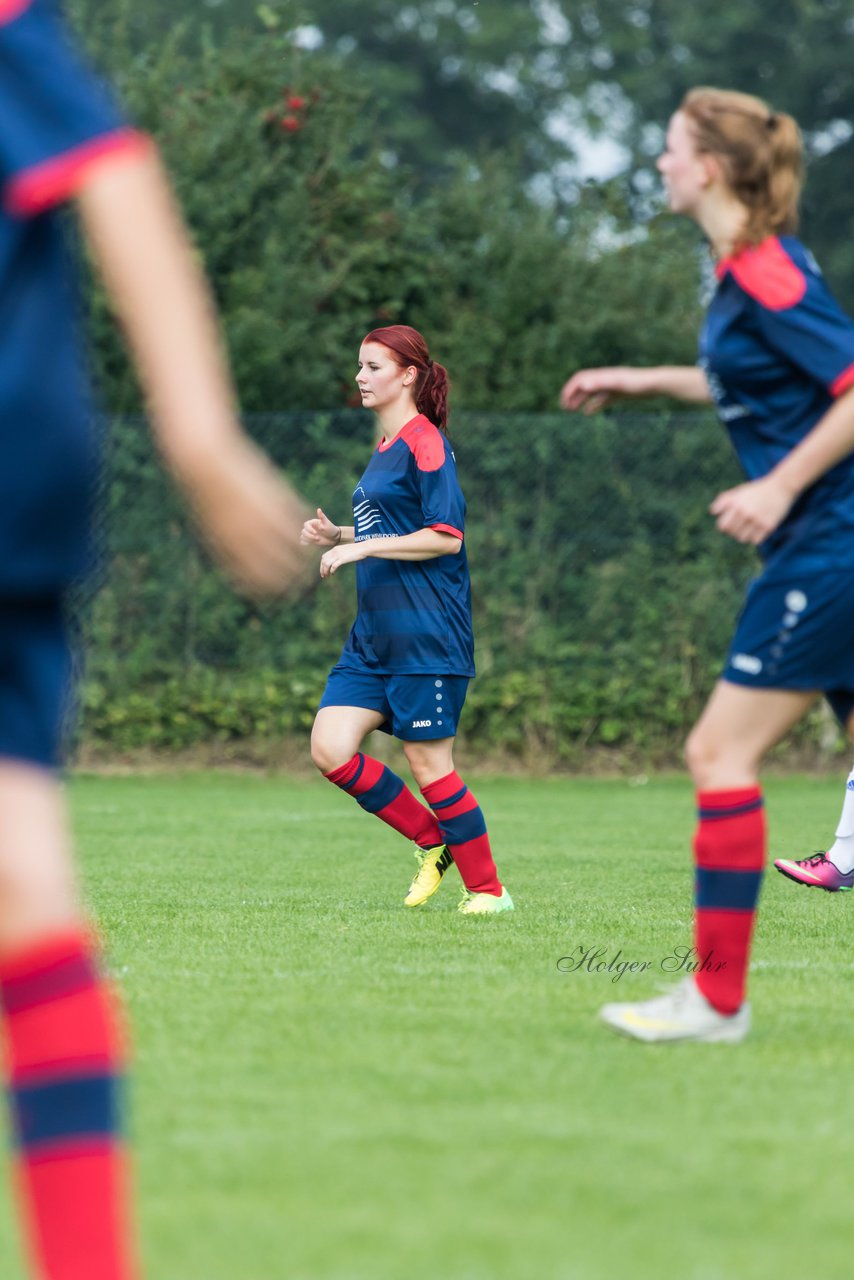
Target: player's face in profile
[683,169]
[380,378]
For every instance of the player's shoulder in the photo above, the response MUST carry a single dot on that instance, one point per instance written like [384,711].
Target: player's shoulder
[426,443]
[11,9]
[776,273]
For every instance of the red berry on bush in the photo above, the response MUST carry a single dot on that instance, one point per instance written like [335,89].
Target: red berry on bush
[291,124]
[296,103]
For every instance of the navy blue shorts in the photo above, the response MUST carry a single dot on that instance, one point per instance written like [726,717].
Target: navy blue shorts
[798,633]
[35,680]
[416,708]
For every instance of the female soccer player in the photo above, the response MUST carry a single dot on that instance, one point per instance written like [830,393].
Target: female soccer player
[410,654]
[777,359]
[61,139]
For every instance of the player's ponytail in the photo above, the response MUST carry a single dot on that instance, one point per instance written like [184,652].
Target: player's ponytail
[760,151]
[432,396]
[431,385]
[787,151]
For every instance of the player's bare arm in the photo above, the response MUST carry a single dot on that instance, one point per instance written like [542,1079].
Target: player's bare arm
[590,390]
[424,544]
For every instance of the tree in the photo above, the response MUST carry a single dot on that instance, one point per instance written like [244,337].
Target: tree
[448,76]
[480,78]
[311,238]
[795,53]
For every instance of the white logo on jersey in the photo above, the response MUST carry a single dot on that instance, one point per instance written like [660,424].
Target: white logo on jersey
[422,724]
[364,515]
[728,410]
[811,263]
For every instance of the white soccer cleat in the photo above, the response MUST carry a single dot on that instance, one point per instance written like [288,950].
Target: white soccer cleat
[683,1013]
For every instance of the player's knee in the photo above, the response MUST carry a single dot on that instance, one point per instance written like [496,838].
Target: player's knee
[35,900]
[701,756]
[321,756]
[326,754]
[715,763]
[419,770]
[426,765]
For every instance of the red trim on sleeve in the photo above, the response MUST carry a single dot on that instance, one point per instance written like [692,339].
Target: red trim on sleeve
[11,9]
[843,381]
[766,273]
[61,177]
[447,528]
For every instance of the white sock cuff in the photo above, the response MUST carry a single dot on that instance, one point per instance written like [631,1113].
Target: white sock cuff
[846,818]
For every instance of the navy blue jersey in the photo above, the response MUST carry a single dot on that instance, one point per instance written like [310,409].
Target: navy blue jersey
[414,616]
[777,349]
[56,121]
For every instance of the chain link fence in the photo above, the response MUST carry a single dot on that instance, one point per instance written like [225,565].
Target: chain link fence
[603,596]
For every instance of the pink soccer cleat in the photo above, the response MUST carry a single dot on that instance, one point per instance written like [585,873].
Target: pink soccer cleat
[817,872]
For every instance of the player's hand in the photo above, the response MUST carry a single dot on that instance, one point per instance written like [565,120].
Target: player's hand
[751,512]
[319,531]
[590,390]
[250,516]
[331,561]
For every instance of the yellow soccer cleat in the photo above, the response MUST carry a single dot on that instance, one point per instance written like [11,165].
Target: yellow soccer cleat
[485,904]
[432,865]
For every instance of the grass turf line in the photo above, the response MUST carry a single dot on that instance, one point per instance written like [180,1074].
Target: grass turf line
[331,1087]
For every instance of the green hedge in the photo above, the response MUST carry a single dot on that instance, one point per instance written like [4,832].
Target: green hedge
[603,597]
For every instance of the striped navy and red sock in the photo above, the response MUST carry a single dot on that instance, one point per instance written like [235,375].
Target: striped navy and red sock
[463,829]
[64,1062]
[383,793]
[729,852]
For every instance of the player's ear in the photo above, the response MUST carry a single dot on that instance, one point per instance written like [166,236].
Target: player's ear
[712,169]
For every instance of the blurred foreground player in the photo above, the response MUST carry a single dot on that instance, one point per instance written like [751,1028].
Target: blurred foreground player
[777,359]
[61,139]
[409,656]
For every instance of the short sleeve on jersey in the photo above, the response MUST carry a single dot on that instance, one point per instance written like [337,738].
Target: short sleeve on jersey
[56,117]
[797,315]
[442,502]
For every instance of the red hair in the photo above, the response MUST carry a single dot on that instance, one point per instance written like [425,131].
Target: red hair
[431,385]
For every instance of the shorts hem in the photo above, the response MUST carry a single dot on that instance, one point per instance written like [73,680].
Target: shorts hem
[745,681]
[438,736]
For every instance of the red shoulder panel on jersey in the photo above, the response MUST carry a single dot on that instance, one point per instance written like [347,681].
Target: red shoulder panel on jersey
[60,177]
[426,443]
[10,9]
[767,274]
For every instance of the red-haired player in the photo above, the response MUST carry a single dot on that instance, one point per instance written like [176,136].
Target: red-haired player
[62,139]
[409,657]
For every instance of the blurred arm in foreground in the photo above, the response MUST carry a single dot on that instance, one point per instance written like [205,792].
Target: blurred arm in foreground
[590,390]
[250,515]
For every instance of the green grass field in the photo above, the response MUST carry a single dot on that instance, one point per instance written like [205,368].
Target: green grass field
[330,1087]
